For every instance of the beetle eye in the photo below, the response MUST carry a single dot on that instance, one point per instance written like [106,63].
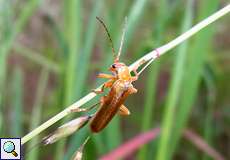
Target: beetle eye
[113,66]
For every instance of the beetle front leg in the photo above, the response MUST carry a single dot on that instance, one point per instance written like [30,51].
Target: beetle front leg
[107,76]
[85,109]
[100,90]
[138,73]
[105,85]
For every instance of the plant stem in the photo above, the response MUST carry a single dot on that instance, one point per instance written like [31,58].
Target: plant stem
[152,55]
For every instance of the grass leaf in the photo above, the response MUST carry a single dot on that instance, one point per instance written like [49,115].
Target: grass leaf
[174,89]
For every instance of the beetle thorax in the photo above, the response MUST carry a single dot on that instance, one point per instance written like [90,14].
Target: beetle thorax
[123,73]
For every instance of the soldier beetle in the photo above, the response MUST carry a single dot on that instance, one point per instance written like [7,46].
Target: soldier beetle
[120,84]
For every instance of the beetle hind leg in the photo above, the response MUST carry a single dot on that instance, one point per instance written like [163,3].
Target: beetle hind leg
[123,111]
[132,90]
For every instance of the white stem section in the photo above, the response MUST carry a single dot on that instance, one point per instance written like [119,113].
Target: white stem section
[150,56]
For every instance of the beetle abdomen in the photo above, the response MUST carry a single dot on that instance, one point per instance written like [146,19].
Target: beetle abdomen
[110,106]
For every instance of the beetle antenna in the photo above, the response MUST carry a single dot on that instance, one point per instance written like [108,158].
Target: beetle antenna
[122,40]
[110,39]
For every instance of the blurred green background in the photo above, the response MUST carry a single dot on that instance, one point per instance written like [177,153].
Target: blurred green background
[52,50]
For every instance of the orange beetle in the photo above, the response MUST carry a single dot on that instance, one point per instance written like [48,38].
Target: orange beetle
[121,86]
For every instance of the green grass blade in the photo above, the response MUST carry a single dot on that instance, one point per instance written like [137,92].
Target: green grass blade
[83,68]
[85,56]
[73,27]
[17,103]
[134,17]
[152,76]
[174,90]
[18,26]
[58,35]
[37,58]
[5,30]
[6,44]
[209,120]
[37,112]
[149,105]
[193,72]
[73,36]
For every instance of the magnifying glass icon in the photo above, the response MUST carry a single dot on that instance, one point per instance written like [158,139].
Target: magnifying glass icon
[9,147]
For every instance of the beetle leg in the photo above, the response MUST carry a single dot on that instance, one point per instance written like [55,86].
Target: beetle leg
[105,85]
[132,90]
[103,75]
[123,111]
[102,100]
[100,90]
[85,109]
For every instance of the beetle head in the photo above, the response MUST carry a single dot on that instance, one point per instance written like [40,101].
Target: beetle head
[116,67]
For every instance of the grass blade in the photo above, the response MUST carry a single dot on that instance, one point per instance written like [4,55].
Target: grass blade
[5,29]
[17,103]
[211,98]
[37,58]
[83,68]
[174,89]
[6,42]
[73,27]
[37,112]
[134,17]
[151,88]
[193,73]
